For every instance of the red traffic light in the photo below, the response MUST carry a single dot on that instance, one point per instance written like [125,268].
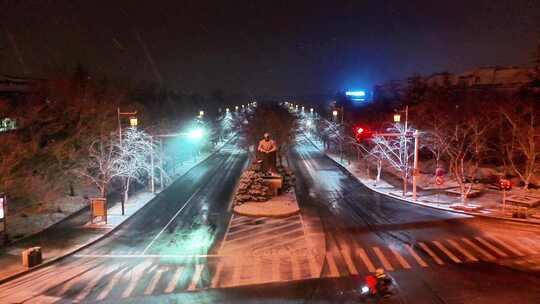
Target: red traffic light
[362,133]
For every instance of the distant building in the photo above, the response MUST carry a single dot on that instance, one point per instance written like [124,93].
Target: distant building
[12,86]
[507,79]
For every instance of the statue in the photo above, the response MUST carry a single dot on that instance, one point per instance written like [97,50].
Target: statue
[267,151]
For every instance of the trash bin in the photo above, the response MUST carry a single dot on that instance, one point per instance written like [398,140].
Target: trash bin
[31,257]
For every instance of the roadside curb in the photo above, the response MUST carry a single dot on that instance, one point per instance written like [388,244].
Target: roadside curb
[521,221]
[111,230]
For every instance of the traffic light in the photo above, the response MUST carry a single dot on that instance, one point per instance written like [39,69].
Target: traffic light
[362,133]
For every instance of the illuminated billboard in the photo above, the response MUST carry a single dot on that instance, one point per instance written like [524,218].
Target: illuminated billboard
[357,95]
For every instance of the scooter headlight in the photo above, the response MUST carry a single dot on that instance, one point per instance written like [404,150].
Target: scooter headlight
[365,289]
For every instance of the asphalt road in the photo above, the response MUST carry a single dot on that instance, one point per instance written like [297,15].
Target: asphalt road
[164,253]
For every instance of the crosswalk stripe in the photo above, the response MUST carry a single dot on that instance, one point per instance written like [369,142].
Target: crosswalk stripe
[263,232]
[346,253]
[431,253]
[174,280]
[236,271]
[521,247]
[364,257]
[196,277]
[136,274]
[217,274]
[382,258]
[510,248]
[486,254]
[400,259]
[88,288]
[313,269]
[447,252]
[462,250]
[153,283]
[275,268]
[493,248]
[416,256]
[332,267]
[105,292]
[295,267]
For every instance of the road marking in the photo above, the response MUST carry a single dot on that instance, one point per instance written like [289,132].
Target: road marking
[172,219]
[153,283]
[486,254]
[416,256]
[459,248]
[174,280]
[105,292]
[149,256]
[431,253]
[88,288]
[136,274]
[346,253]
[515,251]
[362,254]
[237,271]
[313,269]
[488,245]
[196,277]
[382,258]
[519,246]
[264,231]
[275,268]
[447,252]
[217,274]
[332,267]
[400,259]
[295,267]
[258,269]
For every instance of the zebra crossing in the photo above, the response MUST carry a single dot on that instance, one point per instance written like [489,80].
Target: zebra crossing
[141,277]
[354,259]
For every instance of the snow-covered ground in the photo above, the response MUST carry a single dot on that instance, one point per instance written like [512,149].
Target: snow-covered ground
[32,220]
[489,202]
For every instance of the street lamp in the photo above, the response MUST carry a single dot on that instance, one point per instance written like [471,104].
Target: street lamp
[397,117]
[118,114]
[133,121]
[236,108]
[201,113]
[227,110]
[335,114]
[311,110]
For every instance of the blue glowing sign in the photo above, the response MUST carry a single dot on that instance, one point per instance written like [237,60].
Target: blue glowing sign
[356,95]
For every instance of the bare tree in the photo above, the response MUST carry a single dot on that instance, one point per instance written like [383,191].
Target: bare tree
[103,164]
[467,144]
[523,149]
[134,159]
[397,151]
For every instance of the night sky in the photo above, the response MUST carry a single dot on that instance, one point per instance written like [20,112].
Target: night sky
[265,47]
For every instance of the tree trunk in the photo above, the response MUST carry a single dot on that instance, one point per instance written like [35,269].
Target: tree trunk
[126,193]
[379,169]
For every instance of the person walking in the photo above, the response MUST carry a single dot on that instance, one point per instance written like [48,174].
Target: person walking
[267,148]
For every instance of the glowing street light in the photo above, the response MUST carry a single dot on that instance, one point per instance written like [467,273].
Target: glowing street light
[397,117]
[335,113]
[236,108]
[133,121]
[201,113]
[227,110]
[311,110]
[196,133]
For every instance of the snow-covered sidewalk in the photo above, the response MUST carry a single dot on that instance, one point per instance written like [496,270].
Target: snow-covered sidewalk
[487,203]
[76,232]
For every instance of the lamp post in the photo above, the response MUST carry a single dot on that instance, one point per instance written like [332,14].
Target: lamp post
[119,113]
[397,119]
[3,216]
